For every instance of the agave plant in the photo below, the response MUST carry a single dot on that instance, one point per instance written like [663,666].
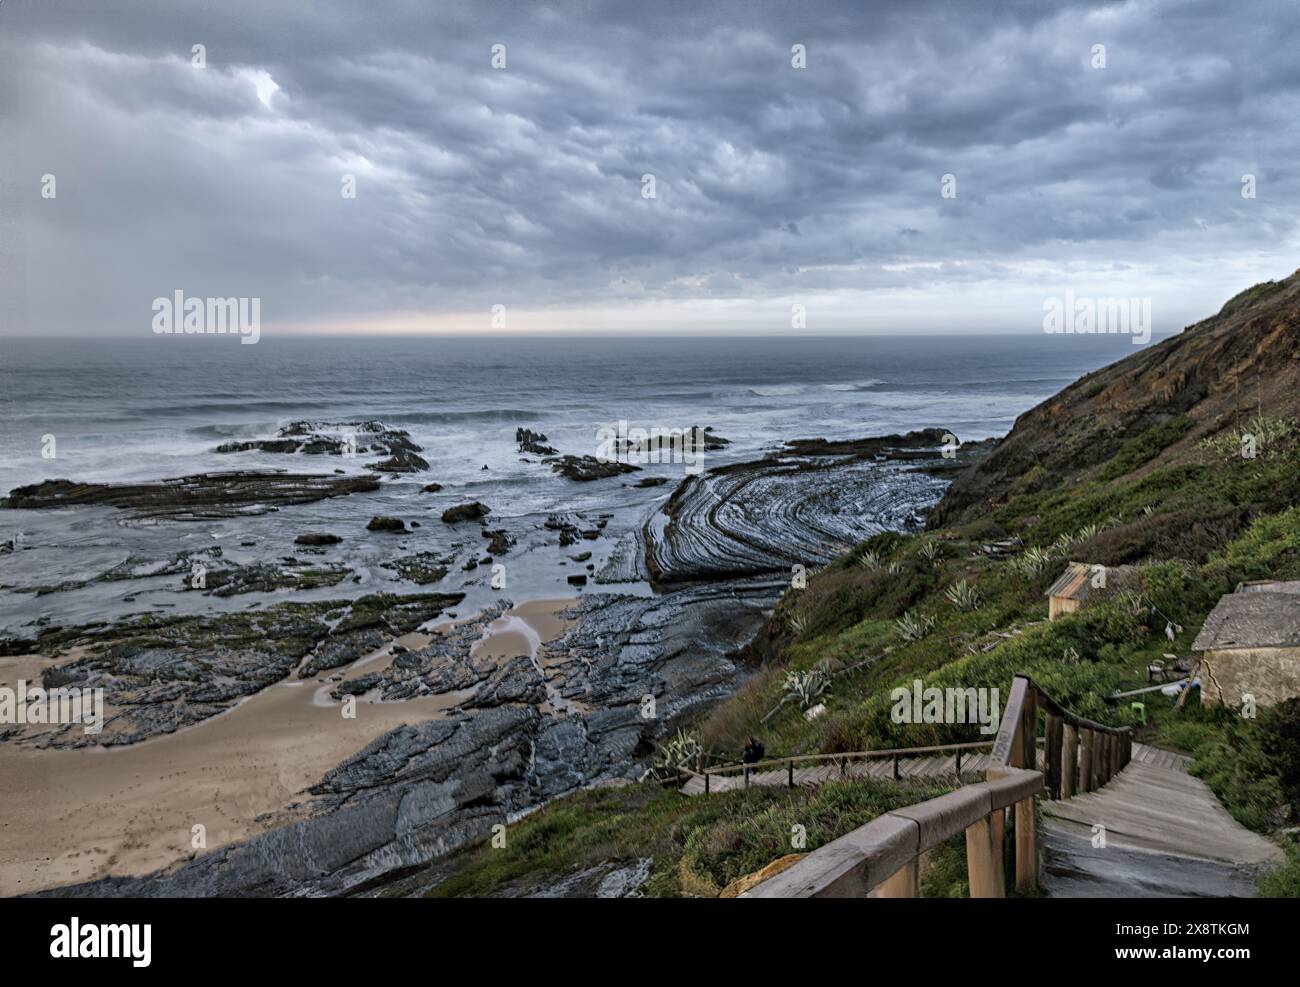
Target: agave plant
[671,755]
[930,551]
[1032,561]
[894,568]
[963,596]
[805,686]
[912,627]
[869,560]
[679,749]
[1264,436]
[1087,531]
[797,626]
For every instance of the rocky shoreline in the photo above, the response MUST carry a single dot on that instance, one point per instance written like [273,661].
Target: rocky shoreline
[522,723]
[523,736]
[805,504]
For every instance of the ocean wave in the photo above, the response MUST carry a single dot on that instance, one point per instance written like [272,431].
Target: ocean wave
[451,417]
[857,385]
[227,430]
[685,396]
[777,390]
[218,407]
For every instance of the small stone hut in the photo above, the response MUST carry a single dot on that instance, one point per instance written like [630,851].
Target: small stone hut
[1250,646]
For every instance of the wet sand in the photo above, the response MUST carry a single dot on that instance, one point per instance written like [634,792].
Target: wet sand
[77,815]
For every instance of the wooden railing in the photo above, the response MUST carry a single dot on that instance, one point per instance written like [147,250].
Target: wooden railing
[841,760]
[883,858]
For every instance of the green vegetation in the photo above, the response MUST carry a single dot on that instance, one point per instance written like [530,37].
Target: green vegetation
[1194,519]
[1250,296]
[698,845]
[1194,528]
[1141,450]
[1285,881]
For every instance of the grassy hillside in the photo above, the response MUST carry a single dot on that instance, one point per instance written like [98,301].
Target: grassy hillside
[1139,463]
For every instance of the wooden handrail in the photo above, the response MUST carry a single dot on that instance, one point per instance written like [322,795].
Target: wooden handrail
[883,857]
[1025,694]
[781,762]
[869,856]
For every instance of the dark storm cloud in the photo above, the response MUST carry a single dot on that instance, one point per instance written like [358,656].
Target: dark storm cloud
[523,186]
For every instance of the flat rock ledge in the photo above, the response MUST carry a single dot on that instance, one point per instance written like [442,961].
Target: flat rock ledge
[201,496]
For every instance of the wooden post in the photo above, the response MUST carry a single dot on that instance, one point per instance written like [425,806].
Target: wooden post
[790,775]
[1069,761]
[959,767]
[746,777]
[903,883]
[1085,760]
[985,880]
[1029,731]
[707,776]
[896,775]
[1102,755]
[1026,846]
[1128,747]
[997,836]
[1052,755]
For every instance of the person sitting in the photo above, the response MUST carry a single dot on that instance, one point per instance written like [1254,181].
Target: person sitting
[753,752]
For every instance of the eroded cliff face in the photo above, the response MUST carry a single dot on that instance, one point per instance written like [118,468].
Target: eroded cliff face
[1244,358]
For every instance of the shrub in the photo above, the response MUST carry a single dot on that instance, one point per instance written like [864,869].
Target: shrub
[1269,549]
[1145,447]
[1192,534]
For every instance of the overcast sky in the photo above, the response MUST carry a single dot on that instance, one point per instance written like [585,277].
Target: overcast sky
[523,186]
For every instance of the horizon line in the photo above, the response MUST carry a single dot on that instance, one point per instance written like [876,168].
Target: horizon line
[583,334]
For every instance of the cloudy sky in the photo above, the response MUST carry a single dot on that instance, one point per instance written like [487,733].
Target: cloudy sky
[523,186]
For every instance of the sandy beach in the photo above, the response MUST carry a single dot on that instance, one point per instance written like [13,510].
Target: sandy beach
[77,815]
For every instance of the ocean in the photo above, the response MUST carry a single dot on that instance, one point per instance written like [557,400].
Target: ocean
[143,409]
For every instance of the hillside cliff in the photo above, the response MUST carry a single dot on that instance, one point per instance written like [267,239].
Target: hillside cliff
[1228,366]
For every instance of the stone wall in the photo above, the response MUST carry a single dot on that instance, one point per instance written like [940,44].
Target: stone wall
[1269,674]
